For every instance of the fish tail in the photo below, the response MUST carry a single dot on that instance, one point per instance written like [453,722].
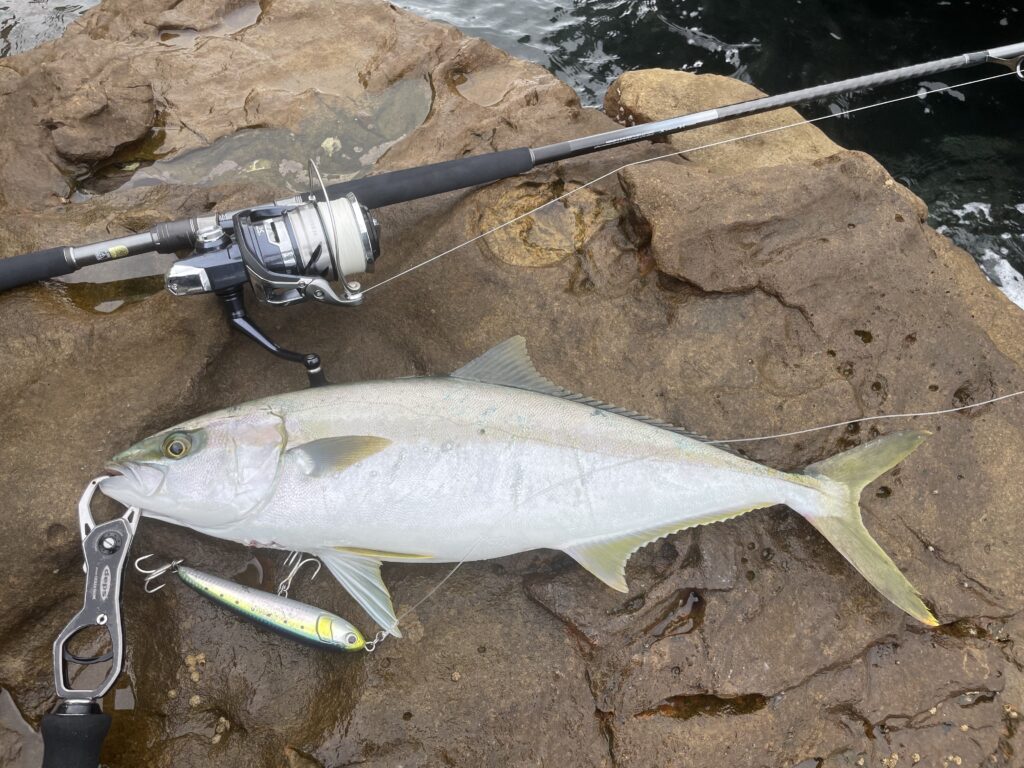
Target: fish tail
[838,519]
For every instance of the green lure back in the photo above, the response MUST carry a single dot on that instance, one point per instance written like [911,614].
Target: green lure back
[284,615]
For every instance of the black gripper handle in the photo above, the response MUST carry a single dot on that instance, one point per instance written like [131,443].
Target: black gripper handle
[72,738]
[32,267]
[414,183]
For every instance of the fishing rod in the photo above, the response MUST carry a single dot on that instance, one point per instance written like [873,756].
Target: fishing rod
[307,246]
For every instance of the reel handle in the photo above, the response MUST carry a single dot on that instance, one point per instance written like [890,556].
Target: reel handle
[31,267]
[73,735]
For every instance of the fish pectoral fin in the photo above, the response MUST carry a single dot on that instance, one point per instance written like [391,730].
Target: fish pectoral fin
[360,576]
[335,454]
[606,557]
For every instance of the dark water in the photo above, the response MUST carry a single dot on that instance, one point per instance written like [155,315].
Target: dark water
[961,151]
[25,24]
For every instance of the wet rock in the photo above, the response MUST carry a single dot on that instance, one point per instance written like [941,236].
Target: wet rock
[657,94]
[19,744]
[759,287]
[93,124]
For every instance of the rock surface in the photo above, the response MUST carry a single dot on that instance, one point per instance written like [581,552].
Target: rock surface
[761,286]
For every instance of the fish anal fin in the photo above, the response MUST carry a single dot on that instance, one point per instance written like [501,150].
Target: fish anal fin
[336,454]
[360,576]
[381,554]
[606,557]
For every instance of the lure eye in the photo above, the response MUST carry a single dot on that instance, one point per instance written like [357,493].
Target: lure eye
[177,446]
[350,639]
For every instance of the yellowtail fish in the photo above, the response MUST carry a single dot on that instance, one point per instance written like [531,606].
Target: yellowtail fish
[487,462]
[282,614]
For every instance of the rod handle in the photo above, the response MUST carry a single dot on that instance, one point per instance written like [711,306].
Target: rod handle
[434,179]
[32,267]
[73,735]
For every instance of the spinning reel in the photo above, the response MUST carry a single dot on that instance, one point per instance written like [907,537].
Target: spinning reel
[289,252]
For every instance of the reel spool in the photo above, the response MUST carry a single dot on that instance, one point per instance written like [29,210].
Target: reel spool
[289,251]
[308,251]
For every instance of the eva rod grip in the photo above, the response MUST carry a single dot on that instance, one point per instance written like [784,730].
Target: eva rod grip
[74,740]
[32,267]
[414,183]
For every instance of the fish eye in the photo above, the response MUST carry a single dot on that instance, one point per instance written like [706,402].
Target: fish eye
[350,639]
[177,446]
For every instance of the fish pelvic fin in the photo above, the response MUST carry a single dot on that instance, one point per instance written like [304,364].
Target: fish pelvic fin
[839,518]
[606,556]
[360,576]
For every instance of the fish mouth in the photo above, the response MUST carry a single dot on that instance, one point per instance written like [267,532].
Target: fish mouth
[140,480]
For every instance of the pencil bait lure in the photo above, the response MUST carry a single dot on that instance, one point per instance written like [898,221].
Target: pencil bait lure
[284,615]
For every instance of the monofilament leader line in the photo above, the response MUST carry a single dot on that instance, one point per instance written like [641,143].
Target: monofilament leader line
[371,646]
[918,95]
[880,417]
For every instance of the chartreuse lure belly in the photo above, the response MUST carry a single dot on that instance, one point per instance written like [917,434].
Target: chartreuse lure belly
[489,461]
[289,617]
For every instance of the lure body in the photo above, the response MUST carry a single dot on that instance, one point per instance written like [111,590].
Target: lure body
[289,617]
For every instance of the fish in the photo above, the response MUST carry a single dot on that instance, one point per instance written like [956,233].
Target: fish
[491,460]
[289,617]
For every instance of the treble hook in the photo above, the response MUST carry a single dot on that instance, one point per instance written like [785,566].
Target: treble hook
[155,573]
[296,560]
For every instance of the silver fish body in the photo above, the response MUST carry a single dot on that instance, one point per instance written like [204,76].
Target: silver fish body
[488,462]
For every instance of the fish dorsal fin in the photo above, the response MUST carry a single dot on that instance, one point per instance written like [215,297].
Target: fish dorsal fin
[335,454]
[509,365]
[361,577]
[606,557]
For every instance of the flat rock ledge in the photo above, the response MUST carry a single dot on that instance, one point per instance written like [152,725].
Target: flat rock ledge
[757,287]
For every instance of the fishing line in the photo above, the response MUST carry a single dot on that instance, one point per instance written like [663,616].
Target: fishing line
[380,636]
[868,418]
[921,94]
[371,646]
[918,95]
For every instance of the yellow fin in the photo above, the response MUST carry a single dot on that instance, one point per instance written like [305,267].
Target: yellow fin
[381,554]
[606,557]
[335,454]
[840,520]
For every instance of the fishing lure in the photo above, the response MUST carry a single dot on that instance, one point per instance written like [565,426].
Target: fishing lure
[280,613]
